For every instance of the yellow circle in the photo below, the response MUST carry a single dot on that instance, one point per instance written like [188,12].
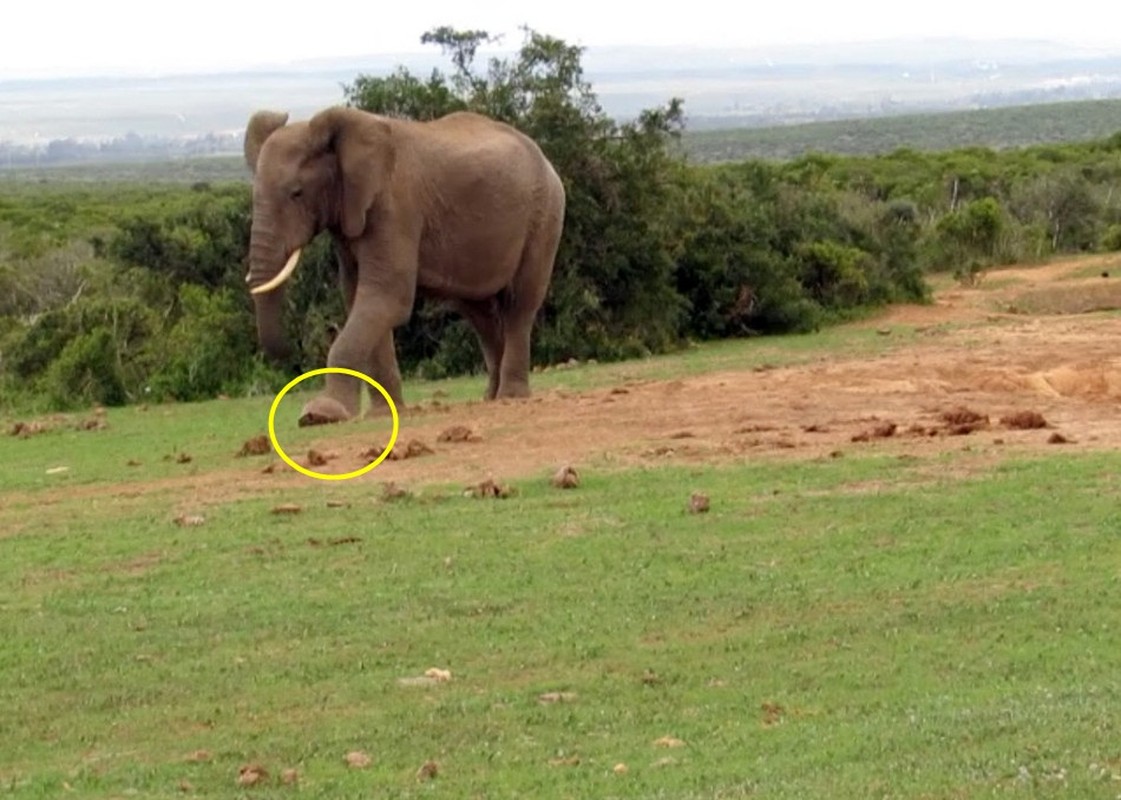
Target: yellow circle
[323,476]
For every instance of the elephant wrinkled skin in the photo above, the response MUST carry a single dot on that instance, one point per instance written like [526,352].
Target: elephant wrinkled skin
[462,208]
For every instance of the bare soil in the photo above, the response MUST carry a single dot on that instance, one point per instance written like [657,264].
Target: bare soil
[976,376]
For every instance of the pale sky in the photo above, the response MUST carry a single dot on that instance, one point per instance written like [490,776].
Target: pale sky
[74,37]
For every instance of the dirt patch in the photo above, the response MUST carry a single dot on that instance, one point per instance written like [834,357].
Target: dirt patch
[968,366]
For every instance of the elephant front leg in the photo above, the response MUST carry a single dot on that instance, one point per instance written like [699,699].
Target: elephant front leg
[365,338]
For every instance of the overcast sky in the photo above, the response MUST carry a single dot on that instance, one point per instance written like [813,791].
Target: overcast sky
[74,37]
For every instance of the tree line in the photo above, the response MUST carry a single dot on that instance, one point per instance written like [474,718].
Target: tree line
[139,294]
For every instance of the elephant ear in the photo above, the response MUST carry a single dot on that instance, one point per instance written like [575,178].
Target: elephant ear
[364,147]
[261,125]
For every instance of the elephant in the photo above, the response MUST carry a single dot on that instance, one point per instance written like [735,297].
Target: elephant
[463,209]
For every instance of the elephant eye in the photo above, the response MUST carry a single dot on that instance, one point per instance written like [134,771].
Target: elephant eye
[296,194]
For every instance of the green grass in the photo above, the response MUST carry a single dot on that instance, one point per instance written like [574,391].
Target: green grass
[941,626]
[924,636]
[216,169]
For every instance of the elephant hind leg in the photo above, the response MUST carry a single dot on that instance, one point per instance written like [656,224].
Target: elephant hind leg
[522,302]
[483,316]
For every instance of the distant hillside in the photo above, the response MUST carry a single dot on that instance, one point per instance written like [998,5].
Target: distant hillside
[998,128]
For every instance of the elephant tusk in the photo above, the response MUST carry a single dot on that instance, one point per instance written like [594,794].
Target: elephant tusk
[281,276]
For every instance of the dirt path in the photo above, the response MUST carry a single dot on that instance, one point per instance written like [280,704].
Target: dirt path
[1063,368]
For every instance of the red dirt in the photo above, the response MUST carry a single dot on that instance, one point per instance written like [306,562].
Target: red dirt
[968,363]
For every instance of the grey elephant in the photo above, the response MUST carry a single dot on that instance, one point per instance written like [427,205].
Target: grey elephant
[464,209]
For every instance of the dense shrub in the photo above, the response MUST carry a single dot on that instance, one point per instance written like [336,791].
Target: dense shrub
[206,351]
[151,303]
[87,371]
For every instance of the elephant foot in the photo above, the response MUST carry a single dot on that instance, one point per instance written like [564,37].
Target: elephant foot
[513,391]
[323,410]
[381,410]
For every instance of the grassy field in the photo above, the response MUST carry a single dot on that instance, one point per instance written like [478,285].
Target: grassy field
[934,625]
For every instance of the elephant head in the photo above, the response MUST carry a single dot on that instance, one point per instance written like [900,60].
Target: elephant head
[322,174]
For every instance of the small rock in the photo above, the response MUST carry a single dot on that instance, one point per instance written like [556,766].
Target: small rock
[287,508]
[698,503]
[668,741]
[620,769]
[289,776]
[428,770]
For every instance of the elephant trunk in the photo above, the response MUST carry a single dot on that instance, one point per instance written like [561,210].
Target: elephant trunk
[266,255]
[270,326]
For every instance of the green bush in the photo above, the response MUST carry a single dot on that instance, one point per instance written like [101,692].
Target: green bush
[87,372]
[208,350]
[1111,239]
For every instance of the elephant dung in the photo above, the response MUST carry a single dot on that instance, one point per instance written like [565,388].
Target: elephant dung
[459,433]
[489,488]
[257,446]
[566,478]
[698,503]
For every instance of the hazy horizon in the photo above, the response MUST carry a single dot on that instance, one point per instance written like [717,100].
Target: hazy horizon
[130,38]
